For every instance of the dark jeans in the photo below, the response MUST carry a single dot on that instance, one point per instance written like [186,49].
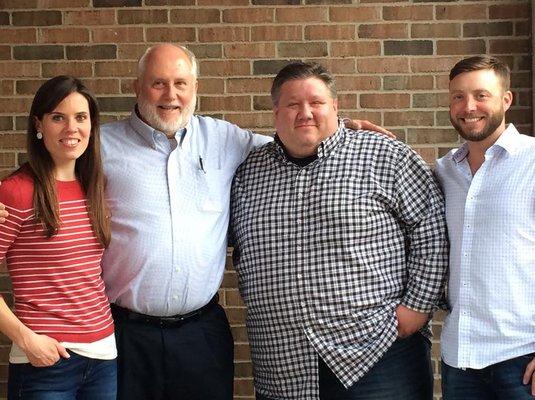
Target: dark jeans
[403,373]
[192,361]
[501,381]
[77,377]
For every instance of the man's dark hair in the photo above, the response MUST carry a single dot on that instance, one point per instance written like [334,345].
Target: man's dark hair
[302,70]
[478,63]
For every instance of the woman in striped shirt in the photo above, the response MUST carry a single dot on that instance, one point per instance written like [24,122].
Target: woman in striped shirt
[53,240]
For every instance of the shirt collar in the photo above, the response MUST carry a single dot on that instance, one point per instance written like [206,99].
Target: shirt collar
[508,141]
[324,148]
[148,133]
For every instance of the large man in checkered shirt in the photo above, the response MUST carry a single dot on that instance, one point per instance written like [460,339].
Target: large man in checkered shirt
[341,253]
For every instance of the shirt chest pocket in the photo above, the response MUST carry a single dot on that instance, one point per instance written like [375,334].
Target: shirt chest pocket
[212,190]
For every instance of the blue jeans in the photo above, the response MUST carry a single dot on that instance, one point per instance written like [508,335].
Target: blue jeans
[74,378]
[501,381]
[403,373]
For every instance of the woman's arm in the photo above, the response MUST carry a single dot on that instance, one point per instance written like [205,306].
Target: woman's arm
[41,350]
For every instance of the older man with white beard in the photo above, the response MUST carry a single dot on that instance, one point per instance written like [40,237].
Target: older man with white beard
[169,174]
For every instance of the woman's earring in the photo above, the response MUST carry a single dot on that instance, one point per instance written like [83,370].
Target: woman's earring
[39,135]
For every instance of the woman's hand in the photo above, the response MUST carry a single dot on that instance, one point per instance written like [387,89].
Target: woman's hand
[42,350]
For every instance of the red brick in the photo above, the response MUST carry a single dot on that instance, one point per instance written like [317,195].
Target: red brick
[276,33]
[14,140]
[409,118]
[308,14]
[211,86]
[435,30]
[18,35]
[36,18]
[224,34]
[5,53]
[223,2]
[249,50]
[447,47]
[195,16]
[464,12]
[128,51]
[117,35]
[510,46]
[243,387]
[338,65]
[509,11]
[249,85]
[19,69]
[348,101]
[251,120]
[443,81]
[103,86]
[248,15]
[410,13]
[383,65]
[523,28]
[29,86]
[6,87]
[434,64]
[431,135]
[142,16]
[170,2]
[175,34]
[359,83]
[225,103]
[63,35]
[354,14]
[302,49]
[225,68]
[233,298]
[408,82]
[116,68]
[127,85]
[236,315]
[355,48]
[7,160]
[430,100]
[92,17]
[330,32]
[15,105]
[384,100]
[242,352]
[80,69]
[383,31]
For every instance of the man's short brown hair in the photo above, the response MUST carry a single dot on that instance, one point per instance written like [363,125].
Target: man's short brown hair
[478,63]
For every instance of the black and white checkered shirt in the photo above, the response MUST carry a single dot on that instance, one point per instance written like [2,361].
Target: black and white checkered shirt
[325,253]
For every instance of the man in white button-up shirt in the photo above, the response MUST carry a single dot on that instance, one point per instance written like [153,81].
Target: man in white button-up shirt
[488,339]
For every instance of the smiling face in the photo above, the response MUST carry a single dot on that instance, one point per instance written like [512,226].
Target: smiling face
[66,131]
[305,115]
[166,89]
[478,102]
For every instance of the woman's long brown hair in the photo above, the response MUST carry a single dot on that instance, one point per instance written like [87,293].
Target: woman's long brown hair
[88,167]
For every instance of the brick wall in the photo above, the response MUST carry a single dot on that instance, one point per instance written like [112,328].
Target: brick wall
[390,58]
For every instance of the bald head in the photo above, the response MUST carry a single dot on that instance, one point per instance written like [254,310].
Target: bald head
[166,87]
[163,51]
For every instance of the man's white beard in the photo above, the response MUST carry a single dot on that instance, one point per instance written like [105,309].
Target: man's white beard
[149,114]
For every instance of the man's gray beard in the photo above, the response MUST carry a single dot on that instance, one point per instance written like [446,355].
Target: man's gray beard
[150,115]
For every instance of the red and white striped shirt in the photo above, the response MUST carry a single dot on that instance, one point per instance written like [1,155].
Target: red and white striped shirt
[57,284]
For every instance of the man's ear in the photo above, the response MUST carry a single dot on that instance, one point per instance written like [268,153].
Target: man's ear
[335,105]
[507,100]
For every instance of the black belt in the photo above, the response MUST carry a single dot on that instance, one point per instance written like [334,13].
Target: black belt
[171,321]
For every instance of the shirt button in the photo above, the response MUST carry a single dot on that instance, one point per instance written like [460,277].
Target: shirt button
[177,269]
[300,195]
[298,220]
[299,276]
[303,304]
[465,284]
[175,297]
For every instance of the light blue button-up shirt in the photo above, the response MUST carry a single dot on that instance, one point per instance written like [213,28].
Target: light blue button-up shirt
[170,211]
[491,224]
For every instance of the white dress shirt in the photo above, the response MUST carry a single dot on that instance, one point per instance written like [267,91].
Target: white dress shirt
[491,223]
[169,211]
